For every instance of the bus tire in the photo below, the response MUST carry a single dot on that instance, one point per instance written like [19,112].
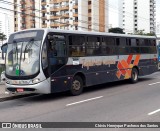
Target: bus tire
[134,75]
[77,86]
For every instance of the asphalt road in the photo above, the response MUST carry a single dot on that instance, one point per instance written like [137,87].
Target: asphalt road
[111,102]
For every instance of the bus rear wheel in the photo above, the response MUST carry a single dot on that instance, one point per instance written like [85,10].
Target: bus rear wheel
[77,86]
[134,75]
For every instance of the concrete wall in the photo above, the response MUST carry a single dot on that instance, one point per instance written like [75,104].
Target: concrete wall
[128,23]
[143,15]
[83,15]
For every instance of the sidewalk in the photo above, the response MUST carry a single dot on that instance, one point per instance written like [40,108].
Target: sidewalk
[2,91]
[7,96]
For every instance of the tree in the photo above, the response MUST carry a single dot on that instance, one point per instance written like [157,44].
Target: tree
[116,30]
[141,32]
[2,37]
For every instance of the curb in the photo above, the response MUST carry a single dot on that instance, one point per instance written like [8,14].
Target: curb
[15,97]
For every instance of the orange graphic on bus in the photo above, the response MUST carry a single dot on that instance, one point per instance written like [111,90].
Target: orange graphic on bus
[125,67]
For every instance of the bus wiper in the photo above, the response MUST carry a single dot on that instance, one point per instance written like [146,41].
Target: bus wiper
[28,46]
[16,49]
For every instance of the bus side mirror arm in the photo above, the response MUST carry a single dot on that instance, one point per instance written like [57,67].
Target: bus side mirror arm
[2,56]
[4,49]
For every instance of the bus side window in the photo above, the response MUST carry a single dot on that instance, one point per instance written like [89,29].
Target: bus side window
[91,45]
[76,45]
[109,46]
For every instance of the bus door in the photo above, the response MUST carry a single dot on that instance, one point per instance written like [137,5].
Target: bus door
[57,54]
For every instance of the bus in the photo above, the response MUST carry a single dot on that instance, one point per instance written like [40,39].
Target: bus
[158,47]
[48,61]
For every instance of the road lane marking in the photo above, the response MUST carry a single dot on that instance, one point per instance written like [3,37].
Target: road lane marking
[153,83]
[84,101]
[151,113]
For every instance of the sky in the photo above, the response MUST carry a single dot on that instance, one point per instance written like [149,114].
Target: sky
[158,11]
[113,12]
[4,5]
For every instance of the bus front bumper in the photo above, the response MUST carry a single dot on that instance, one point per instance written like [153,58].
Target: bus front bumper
[42,87]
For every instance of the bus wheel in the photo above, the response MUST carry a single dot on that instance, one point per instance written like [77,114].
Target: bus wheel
[134,75]
[77,86]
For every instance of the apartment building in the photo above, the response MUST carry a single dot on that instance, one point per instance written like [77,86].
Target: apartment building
[6,19]
[137,15]
[87,15]
[27,14]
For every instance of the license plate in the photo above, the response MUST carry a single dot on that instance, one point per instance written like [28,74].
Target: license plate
[20,89]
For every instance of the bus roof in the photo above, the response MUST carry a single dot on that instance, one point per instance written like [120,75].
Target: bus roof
[47,30]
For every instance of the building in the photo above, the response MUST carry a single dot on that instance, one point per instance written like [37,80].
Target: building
[27,14]
[158,28]
[137,15]
[6,20]
[88,15]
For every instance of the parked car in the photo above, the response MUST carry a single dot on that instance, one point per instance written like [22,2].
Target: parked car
[3,78]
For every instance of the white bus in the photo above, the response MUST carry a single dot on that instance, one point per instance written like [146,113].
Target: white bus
[48,61]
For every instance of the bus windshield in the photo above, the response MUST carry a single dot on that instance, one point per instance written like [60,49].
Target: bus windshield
[22,58]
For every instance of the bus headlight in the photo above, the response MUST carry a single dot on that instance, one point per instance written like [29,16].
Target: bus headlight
[8,81]
[36,80]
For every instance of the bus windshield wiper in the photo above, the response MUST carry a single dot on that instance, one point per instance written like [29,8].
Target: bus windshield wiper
[28,46]
[16,49]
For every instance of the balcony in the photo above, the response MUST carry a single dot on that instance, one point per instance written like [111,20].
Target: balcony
[23,27]
[75,22]
[58,1]
[32,14]
[32,20]
[54,17]
[23,15]
[23,8]
[33,26]
[32,8]
[44,25]
[64,23]
[64,0]
[75,14]
[64,8]
[55,1]
[75,6]
[65,15]
[43,10]
[54,9]
[23,21]
[44,18]
[43,2]
[32,1]
[22,2]
[89,14]
[89,22]
[55,24]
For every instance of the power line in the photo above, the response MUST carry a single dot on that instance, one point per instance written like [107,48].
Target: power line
[82,21]
[83,6]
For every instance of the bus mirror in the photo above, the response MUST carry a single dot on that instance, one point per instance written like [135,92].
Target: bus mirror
[4,49]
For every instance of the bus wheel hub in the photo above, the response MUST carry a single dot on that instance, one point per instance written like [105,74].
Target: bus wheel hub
[76,85]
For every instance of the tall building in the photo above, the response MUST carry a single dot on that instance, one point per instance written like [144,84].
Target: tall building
[138,15]
[88,15]
[6,20]
[27,14]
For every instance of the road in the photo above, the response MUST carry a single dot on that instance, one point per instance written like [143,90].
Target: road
[111,102]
